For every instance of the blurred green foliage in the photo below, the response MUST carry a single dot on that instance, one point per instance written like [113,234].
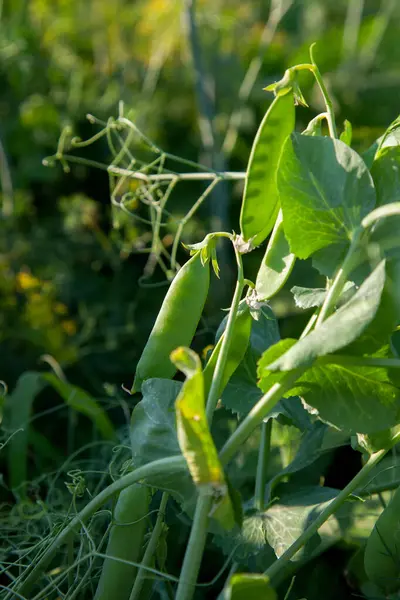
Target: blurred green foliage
[70,265]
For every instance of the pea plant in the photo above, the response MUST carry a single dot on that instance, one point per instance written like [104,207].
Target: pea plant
[337,385]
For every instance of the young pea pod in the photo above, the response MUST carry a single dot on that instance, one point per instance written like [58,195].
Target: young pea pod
[382,552]
[237,350]
[176,322]
[276,265]
[125,542]
[260,200]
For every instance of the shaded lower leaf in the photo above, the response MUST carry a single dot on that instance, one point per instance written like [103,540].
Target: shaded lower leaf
[287,520]
[153,435]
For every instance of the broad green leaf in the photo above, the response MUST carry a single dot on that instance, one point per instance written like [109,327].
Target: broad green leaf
[83,403]
[386,175]
[249,545]
[286,520]
[17,414]
[260,200]
[357,399]
[276,265]
[308,297]
[325,190]
[249,586]
[153,435]
[195,440]
[340,329]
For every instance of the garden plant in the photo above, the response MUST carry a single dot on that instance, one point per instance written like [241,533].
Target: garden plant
[206,430]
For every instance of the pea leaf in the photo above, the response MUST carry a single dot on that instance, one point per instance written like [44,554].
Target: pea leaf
[249,545]
[195,439]
[276,265]
[385,172]
[260,200]
[325,190]
[286,520]
[357,399]
[249,586]
[153,435]
[340,329]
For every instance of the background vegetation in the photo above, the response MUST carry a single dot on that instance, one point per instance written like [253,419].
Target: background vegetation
[78,287]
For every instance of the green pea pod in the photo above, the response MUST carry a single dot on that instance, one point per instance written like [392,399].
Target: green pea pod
[382,552]
[125,542]
[261,200]
[276,265]
[176,322]
[237,350]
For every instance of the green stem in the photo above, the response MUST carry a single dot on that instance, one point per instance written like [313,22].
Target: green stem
[213,394]
[332,507]
[198,533]
[325,93]
[340,279]
[262,464]
[164,466]
[257,414]
[195,549]
[150,550]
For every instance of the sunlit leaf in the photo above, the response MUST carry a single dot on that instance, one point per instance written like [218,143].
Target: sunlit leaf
[325,190]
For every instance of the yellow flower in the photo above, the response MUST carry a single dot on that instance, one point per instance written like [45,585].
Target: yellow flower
[26,281]
[69,326]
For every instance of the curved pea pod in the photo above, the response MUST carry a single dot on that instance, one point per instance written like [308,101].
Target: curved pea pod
[176,322]
[382,552]
[276,265]
[125,542]
[237,350]
[260,204]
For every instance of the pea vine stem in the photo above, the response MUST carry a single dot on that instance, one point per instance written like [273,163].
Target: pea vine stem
[150,550]
[198,534]
[330,115]
[262,464]
[341,277]
[332,507]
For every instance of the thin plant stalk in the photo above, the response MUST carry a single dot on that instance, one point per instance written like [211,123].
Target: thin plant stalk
[150,550]
[328,102]
[264,453]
